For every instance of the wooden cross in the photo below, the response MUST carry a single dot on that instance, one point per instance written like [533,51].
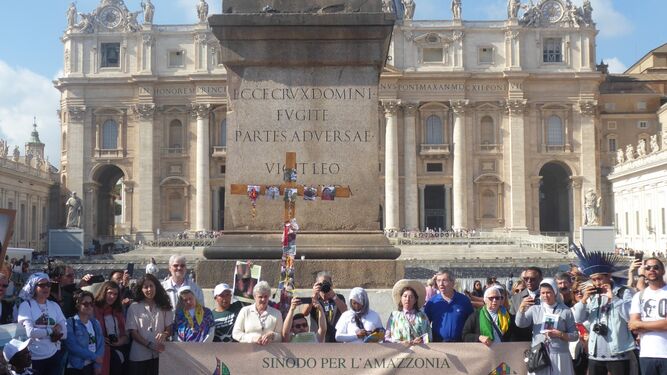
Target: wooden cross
[290,210]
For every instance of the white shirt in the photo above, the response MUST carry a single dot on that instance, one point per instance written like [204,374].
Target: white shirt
[39,321]
[651,307]
[346,328]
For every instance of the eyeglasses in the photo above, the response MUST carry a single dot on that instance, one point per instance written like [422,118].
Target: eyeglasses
[178,265]
[530,279]
[299,326]
[650,267]
[44,285]
[495,298]
[86,304]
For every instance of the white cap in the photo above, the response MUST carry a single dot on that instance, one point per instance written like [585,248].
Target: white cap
[220,288]
[13,347]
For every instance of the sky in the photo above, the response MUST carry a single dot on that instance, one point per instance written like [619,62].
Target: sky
[31,54]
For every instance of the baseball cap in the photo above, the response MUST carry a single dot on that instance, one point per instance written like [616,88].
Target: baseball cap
[13,347]
[220,288]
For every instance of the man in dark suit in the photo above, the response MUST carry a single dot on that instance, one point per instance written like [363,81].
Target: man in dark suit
[532,277]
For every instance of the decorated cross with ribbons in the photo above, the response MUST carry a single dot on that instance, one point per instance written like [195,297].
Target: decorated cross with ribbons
[290,191]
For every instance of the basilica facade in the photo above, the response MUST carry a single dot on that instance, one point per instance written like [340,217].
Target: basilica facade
[486,125]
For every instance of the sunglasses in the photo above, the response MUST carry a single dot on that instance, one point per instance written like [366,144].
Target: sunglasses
[495,298]
[649,267]
[530,279]
[4,285]
[44,285]
[299,326]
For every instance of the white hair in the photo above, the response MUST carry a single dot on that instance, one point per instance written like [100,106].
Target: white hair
[492,289]
[262,287]
[176,258]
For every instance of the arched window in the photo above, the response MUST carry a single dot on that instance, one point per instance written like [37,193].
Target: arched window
[175,135]
[223,132]
[109,135]
[487,131]
[489,204]
[434,130]
[175,206]
[555,131]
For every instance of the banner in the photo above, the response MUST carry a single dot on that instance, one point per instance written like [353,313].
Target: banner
[322,359]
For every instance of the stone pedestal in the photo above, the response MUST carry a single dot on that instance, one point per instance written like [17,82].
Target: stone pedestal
[66,242]
[303,78]
[598,238]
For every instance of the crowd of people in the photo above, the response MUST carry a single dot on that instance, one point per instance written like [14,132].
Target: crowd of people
[585,321]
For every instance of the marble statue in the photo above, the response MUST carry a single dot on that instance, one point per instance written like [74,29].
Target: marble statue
[620,156]
[592,207]
[74,210]
[202,11]
[629,152]
[409,6]
[16,154]
[39,163]
[132,24]
[28,160]
[149,11]
[456,10]
[572,14]
[587,12]
[4,148]
[71,16]
[532,15]
[513,7]
[655,147]
[388,6]
[641,148]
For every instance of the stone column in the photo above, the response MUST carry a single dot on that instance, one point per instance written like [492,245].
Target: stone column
[460,219]
[448,207]
[535,199]
[214,207]
[517,176]
[391,165]
[146,189]
[202,188]
[410,202]
[577,205]
[589,169]
[422,208]
[75,147]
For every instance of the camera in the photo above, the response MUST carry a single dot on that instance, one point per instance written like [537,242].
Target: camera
[113,338]
[598,291]
[600,329]
[325,287]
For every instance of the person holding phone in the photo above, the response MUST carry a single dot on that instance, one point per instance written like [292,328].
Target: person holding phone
[295,326]
[333,304]
[532,277]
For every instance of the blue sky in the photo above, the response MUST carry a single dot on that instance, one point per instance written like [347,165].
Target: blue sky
[31,51]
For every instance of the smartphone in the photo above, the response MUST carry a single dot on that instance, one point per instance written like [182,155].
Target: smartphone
[305,300]
[130,269]
[97,279]
[639,256]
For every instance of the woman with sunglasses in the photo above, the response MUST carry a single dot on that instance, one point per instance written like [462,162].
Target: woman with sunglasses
[109,312]
[44,324]
[85,342]
[149,322]
[492,323]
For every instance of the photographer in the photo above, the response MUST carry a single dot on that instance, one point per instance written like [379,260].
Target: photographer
[606,308]
[333,305]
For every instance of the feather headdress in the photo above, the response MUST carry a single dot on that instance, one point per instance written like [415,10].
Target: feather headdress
[594,262]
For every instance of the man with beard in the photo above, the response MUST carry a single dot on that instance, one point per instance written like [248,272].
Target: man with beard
[605,308]
[532,277]
[648,318]
[565,288]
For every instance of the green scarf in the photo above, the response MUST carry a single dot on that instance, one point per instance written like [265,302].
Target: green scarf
[486,322]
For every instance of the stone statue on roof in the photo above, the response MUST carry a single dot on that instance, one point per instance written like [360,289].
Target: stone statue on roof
[641,148]
[71,16]
[655,147]
[620,156]
[629,152]
[409,6]
[456,10]
[513,7]
[149,11]
[202,11]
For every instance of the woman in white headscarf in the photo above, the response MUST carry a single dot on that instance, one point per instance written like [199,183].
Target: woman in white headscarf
[553,324]
[44,324]
[359,323]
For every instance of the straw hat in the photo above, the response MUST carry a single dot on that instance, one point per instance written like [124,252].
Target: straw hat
[414,284]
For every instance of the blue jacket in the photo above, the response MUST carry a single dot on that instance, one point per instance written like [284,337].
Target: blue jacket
[77,343]
[616,318]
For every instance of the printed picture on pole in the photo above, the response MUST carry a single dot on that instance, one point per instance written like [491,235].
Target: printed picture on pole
[246,276]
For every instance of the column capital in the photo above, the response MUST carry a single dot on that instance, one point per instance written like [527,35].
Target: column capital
[201,38]
[76,113]
[144,111]
[576,181]
[147,39]
[459,106]
[410,108]
[588,107]
[390,107]
[200,111]
[516,107]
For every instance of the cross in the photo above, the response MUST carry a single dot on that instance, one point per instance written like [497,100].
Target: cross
[290,209]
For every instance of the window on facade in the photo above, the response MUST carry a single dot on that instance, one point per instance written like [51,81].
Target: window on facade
[434,130]
[641,106]
[223,132]
[433,167]
[432,55]
[555,131]
[611,144]
[110,55]
[611,125]
[176,206]
[485,55]
[223,169]
[552,51]
[642,124]
[487,131]
[175,59]
[109,135]
[175,136]
[489,204]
